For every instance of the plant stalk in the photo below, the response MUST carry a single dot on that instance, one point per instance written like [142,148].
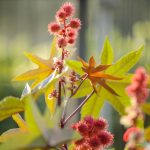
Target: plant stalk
[78,108]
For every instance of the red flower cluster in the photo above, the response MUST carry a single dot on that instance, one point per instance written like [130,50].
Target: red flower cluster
[94,134]
[138,88]
[65,27]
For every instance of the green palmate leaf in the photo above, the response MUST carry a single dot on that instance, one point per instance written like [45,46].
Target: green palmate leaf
[34,119]
[75,65]
[107,55]
[93,106]
[44,67]
[84,90]
[123,97]
[24,141]
[96,102]
[115,102]
[9,106]
[125,63]
[146,108]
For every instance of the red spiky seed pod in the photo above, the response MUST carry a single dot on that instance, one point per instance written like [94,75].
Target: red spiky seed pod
[94,142]
[82,128]
[106,138]
[71,33]
[62,43]
[75,23]
[68,9]
[61,15]
[53,27]
[100,124]
[71,40]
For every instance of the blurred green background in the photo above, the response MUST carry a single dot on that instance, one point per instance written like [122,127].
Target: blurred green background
[23,27]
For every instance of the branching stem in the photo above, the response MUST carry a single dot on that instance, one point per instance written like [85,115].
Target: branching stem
[78,108]
[67,101]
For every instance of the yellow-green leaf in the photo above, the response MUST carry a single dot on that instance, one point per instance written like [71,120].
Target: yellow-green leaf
[107,55]
[75,65]
[125,63]
[35,120]
[44,67]
[93,106]
[20,122]
[9,106]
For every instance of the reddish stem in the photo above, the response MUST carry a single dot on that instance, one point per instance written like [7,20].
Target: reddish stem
[77,109]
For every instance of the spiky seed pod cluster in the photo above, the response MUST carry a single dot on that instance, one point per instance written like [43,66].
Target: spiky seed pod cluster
[65,27]
[94,134]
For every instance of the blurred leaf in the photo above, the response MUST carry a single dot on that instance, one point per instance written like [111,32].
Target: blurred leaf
[24,141]
[52,120]
[20,122]
[107,55]
[146,108]
[60,136]
[140,123]
[50,102]
[44,67]
[125,63]
[9,106]
[10,134]
[34,119]
[147,133]
[75,65]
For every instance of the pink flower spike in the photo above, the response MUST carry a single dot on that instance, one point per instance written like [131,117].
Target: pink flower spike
[75,23]
[138,88]
[53,27]
[68,9]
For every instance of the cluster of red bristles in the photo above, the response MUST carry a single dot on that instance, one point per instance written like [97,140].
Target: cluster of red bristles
[94,134]
[138,89]
[65,27]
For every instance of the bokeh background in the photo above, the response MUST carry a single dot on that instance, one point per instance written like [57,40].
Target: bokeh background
[23,27]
